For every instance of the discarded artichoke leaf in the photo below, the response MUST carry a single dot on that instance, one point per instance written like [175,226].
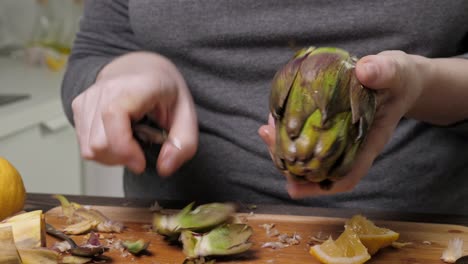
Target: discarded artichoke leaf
[100,222]
[28,229]
[226,239]
[90,214]
[88,250]
[62,246]
[38,255]
[68,208]
[399,245]
[453,251]
[80,228]
[86,219]
[8,251]
[75,260]
[110,226]
[135,247]
[201,218]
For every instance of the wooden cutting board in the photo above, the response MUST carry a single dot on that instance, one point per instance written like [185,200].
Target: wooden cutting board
[428,240]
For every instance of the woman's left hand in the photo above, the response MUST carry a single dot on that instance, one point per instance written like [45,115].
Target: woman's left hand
[398,79]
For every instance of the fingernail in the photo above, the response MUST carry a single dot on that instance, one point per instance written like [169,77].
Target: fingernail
[371,70]
[175,142]
[168,154]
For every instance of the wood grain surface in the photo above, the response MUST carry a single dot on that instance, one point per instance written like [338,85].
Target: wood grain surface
[428,239]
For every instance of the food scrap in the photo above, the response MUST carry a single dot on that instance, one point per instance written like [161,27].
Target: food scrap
[398,245]
[453,251]
[318,238]
[85,219]
[22,240]
[274,245]
[207,230]
[284,240]
[155,207]
[135,247]
[270,230]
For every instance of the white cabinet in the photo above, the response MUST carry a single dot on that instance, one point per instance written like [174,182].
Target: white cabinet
[46,157]
[101,180]
[38,139]
[35,134]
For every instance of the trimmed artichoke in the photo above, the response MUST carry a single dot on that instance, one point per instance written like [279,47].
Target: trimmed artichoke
[226,239]
[322,114]
[201,218]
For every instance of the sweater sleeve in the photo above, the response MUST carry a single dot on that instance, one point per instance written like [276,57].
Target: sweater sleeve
[105,33]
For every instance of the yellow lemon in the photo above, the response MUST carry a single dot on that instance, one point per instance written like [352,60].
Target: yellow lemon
[12,191]
[372,236]
[56,63]
[346,249]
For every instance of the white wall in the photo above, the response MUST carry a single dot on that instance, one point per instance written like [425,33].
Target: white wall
[17,17]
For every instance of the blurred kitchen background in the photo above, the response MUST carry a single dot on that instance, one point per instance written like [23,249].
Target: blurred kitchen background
[35,136]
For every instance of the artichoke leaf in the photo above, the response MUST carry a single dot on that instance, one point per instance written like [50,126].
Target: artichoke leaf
[202,217]
[328,149]
[363,106]
[320,74]
[136,247]
[226,239]
[282,84]
[308,139]
[39,255]
[8,251]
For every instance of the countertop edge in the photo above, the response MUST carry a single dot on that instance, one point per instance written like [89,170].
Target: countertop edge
[46,202]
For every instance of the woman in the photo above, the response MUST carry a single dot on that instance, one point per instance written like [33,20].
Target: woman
[202,70]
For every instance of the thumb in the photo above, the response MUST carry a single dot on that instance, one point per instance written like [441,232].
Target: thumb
[183,135]
[385,70]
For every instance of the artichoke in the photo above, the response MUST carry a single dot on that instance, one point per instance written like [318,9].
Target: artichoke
[202,218]
[322,115]
[207,230]
[226,239]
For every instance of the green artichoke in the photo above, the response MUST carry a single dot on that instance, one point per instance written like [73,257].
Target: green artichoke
[226,239]
[203,217]
[322,115]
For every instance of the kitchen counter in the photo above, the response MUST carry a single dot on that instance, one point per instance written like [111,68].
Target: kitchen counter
[427,235]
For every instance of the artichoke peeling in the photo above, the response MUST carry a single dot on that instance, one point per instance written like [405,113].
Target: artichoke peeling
[322,115]
[226,239]
[203,217]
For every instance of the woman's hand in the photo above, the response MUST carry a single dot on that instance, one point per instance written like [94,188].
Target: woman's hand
[127,89]
[399,80]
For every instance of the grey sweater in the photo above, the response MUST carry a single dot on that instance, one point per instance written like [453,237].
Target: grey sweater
[228,52]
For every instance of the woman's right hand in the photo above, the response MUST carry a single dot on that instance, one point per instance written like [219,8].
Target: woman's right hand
[127,89]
